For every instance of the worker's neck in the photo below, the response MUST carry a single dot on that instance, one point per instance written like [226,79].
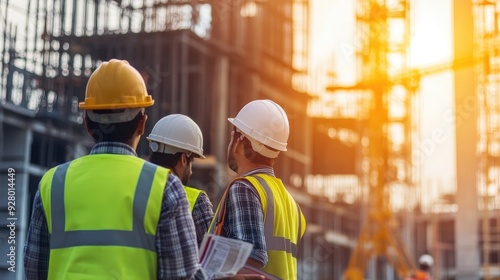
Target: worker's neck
[134,142]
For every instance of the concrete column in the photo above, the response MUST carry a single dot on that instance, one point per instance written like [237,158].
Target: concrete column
[221,102]
[466,223]
[14,176]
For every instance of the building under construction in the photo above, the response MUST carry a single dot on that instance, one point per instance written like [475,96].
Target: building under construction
[206,59]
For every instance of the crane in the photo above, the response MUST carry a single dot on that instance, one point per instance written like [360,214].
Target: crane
[378,235]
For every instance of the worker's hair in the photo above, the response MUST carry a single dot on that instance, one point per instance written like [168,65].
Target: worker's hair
[424,267]
[116,132]
[165,160]
[250,154]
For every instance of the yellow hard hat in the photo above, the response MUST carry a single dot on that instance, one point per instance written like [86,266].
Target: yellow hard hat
[115,84]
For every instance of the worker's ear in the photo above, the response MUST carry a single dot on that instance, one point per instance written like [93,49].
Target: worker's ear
[141,127]
[184,159]
[238,145]
[87,127]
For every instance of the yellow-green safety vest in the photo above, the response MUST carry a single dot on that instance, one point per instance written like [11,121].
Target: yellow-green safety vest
[102,213]
[284,225]
[192,195]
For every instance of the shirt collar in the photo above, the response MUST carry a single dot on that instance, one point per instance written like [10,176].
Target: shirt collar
[113,148]
[261,169]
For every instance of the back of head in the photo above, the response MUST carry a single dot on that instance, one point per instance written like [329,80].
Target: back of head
[176,133]
[265,124]
[425,262]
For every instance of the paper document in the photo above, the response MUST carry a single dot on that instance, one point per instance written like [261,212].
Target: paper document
[223,257]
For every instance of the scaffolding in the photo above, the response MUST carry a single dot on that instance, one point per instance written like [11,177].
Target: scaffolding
[182,48]
[383,30]
[487,45]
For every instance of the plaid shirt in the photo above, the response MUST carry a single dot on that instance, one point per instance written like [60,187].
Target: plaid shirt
[175,236]
[202,216]
[244,217]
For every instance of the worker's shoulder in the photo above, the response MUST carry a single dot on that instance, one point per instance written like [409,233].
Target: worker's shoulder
[165,173]
[240,182]
[194,190]
[243,186]
[53,169]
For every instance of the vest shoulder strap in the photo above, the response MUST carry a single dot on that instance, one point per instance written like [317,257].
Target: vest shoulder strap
[220,214]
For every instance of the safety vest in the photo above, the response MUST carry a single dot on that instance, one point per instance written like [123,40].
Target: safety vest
[102,213]
[284,225]
[420,275]
[192,195]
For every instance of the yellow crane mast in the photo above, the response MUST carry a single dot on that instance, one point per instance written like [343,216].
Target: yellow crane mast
[378,235]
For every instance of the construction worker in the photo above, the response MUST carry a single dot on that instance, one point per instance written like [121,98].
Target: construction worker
[256,206]
[425,263]
[111,214]
[175,141]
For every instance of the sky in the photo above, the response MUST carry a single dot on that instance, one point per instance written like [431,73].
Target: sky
[332,41]
[433,46]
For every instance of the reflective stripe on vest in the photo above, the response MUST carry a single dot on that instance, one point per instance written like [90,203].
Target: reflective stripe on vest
[136,238]
[192,195]
[277,243]
[282,231]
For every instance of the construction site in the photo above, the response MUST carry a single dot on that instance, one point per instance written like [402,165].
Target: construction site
[355,170]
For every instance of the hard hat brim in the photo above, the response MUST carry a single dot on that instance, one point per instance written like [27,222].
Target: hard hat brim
[85,106]
[169,149]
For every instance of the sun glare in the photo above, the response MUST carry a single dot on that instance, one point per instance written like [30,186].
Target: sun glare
[431,41]
[333,47]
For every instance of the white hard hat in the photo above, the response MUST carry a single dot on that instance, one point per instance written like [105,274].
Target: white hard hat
[426,259]
[176,133]
[263,122]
